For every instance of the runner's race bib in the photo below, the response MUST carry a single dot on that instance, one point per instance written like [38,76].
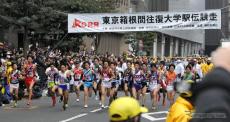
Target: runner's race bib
[106,79]
[77,76]
[169,88]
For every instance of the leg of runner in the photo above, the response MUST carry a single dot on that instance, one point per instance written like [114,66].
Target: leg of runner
[77,90]
[170,96]
[126,89]
[13,94]
[116,90]
[90,90]
[30,92]
[134,92]
[111,96]
[66,97]
[95,89]
[86,95]
[143,98]
[108,91]
[138,94]
[52,95]
[16,97]
[99,90]
[60,92]
[154,97]
[103,95]
[130,89]
[164,97]
[12,91]
[159,95]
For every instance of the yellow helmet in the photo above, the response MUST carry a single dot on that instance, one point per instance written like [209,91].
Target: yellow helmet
[125,108]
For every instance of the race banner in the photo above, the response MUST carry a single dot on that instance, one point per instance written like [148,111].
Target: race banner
[149,21]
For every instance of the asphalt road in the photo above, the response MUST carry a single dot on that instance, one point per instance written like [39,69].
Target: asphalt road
[41,111]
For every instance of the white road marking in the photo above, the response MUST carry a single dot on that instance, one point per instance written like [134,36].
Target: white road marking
[84,114]
[96,110]
[20,108]
[75,117]
[99,109]
[151,118]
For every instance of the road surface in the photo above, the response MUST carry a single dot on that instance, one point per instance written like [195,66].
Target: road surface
[41,111]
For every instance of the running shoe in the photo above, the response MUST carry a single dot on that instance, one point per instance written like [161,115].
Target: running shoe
[28,103]
[61,99]
[15,104]
[164,102]
[102,106]
[154,108]
[65,106]
[96,97]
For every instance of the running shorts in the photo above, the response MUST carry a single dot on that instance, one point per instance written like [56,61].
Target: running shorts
[169,88]
[88,84]
[115,83]
[152,87]
[143,84]
[106,84]
[137,86]
[64,87]
[51,84]
[29,81]
[14,86]
[77,83]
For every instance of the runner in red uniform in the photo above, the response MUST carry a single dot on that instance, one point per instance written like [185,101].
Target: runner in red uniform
[30,77]
[78,72]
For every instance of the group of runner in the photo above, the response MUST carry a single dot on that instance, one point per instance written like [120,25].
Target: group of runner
[104,77]
[10,74]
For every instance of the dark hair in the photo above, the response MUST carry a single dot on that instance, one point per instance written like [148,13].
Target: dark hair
[13,63]
[189,66]
[137,63]
[86,62]
[96,59]
[114,63]
[153,65]
[51,64]
[144,64]
[192,63]
[77,62]
[172,65]
[129,62]
[162,62]
[62,65]
[106,61]
[30,56]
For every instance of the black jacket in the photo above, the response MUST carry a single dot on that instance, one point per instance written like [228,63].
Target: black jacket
[212,97]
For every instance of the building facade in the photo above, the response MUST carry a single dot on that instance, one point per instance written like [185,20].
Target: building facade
[188,42]
[177,43]
[114,43]
[213,37]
